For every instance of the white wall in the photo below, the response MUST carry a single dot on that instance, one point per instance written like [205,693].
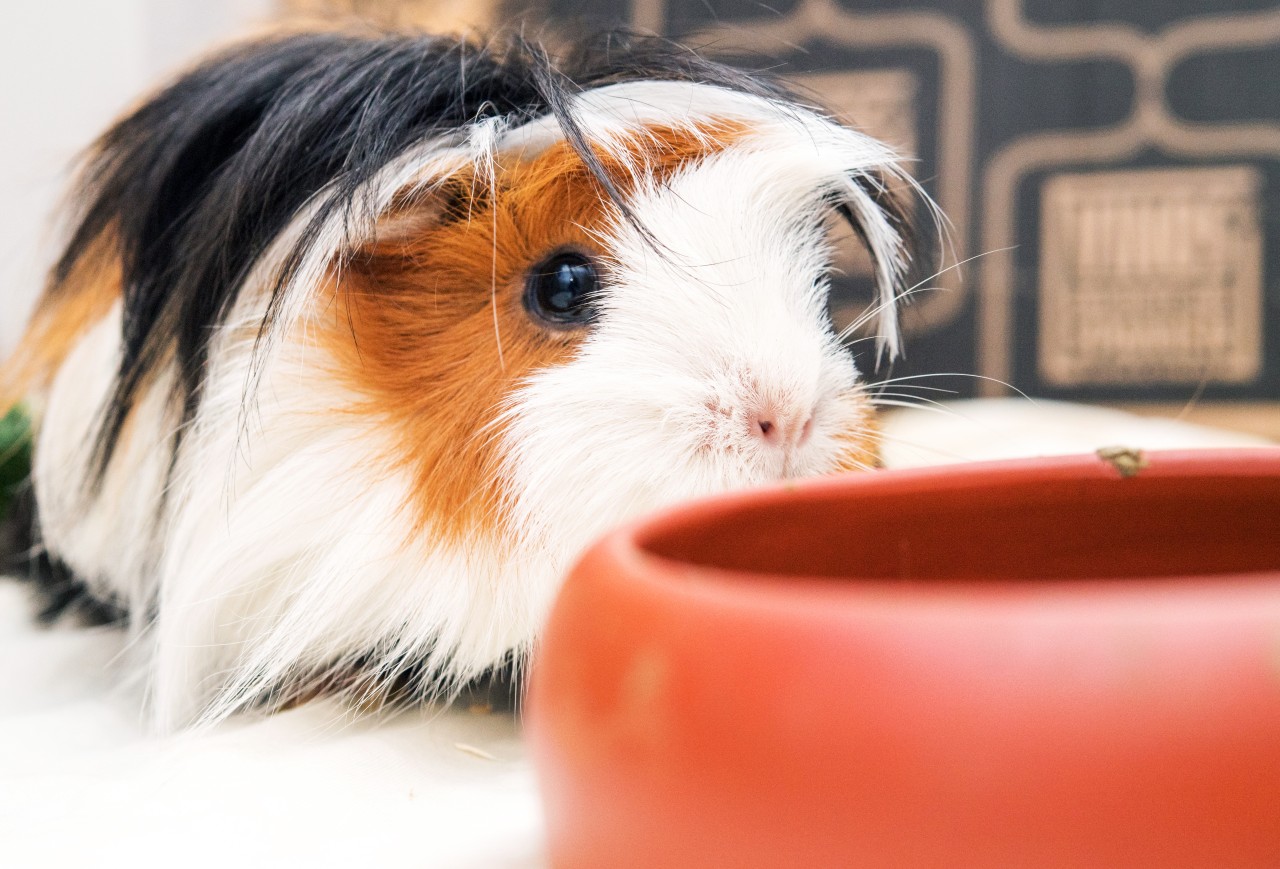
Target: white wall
[67,68]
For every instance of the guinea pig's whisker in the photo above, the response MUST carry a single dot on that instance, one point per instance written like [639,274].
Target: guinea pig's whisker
[955,266]
[918,287]
[888,380]
[904,396]
[983,377]
[882,438]
[874,310]
[939,408]
[493,289]
[872,387]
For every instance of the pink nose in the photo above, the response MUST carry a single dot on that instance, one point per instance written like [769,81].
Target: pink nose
[780,429]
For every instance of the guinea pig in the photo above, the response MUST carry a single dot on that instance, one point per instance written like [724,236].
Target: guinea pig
[358,340]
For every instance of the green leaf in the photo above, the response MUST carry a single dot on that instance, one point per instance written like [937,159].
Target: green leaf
[15,454]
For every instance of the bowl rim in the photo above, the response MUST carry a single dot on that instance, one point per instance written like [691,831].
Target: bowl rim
[629,545]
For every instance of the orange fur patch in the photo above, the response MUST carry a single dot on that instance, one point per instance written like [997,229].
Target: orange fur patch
[860,445]
[431,326]
[66,311]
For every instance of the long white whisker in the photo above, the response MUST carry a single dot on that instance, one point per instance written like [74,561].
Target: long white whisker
[871,312]
[924,403]
[908,405]
[873,386]
[918,287]
[997,380]
[956,265]
[883,437]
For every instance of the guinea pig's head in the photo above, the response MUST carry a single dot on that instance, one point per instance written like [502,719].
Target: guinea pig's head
[569,329]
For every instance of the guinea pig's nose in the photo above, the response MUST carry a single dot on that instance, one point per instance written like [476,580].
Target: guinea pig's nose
[780,428]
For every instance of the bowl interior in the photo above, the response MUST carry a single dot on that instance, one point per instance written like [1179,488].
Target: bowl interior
[1050,522]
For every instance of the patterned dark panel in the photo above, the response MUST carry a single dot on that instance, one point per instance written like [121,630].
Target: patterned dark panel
[1149,15]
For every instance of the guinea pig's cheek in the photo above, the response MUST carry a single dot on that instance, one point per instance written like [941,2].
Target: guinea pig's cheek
[852,442]
[585,447]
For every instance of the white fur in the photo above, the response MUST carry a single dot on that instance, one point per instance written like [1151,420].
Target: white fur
[110,541]
[287,543]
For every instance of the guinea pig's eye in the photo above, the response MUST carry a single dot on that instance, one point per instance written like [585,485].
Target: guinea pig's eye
[562,289]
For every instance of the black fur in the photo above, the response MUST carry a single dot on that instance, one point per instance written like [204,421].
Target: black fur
[202,178]
[58,592]
[375,684]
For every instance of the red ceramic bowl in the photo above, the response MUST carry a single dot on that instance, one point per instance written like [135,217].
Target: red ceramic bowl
[1033,663]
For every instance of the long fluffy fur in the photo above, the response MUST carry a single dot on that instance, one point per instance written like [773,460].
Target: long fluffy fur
[216,454]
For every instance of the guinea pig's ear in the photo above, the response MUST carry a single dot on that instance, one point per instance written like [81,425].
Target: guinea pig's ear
[884,211]
[424,207]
